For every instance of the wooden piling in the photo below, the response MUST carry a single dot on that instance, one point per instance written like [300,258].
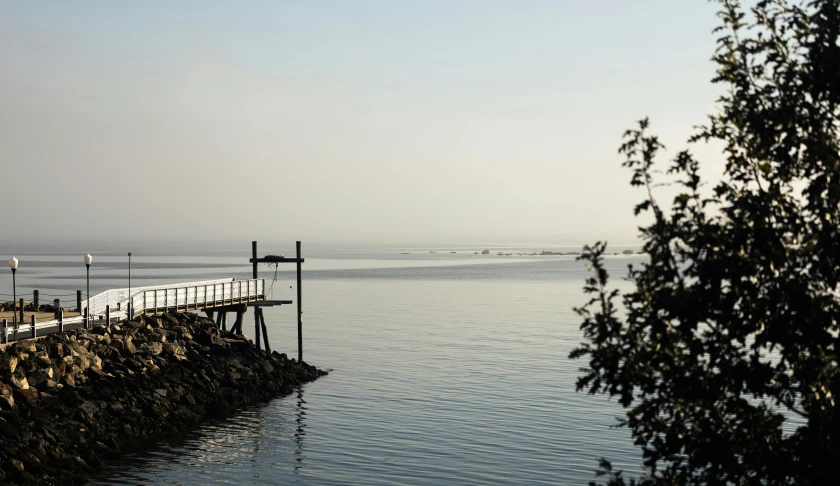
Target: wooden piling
[256,311]
[35,300]
[299,305]
[259,312]
[34,333]
[108,315]
[60,320]
[237,324]
[20,311]
[79,301]
[5,332]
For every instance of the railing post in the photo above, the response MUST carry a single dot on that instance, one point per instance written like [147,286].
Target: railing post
[35,300]
[60,320]
[5,331]
[20,316]
[57,306]
[34,333]
[85,318]
[108,314]
[79,301]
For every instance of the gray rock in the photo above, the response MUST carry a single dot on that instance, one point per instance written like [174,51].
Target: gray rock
[154,348]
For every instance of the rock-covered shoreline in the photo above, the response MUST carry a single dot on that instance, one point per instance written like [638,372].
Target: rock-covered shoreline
[68,401]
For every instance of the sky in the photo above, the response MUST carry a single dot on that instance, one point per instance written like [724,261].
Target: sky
[361,120]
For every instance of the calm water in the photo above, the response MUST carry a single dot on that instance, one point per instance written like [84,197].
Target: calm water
[445,369]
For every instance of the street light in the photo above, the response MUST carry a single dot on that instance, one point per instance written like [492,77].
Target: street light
[128,311]
[88,260]
[13,264]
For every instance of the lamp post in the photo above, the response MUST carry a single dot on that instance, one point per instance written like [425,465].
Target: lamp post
[88,260]
[13,264]
[128,311]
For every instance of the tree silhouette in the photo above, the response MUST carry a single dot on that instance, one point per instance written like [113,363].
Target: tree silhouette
[725,355]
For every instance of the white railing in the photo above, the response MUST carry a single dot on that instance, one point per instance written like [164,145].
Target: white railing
[117,299]
[196,295]
[114,303]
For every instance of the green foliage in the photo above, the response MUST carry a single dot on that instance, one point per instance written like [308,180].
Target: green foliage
[732,329]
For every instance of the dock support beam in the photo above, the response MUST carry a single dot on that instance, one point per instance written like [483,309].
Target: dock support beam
[259,312]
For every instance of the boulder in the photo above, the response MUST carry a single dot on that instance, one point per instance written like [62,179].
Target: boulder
[7,402]
[28,396]
[154,348]
[8,363]
[19,380]
[128,346]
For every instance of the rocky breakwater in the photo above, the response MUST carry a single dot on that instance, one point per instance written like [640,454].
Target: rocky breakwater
[69,401]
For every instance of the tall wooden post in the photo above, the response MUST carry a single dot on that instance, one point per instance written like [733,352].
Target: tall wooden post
[21,310]
[5,331]
[34,333]
[36,302]
[79,301]
[256,313]
[299,306]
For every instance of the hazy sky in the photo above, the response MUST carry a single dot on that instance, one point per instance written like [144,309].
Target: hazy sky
[340,120]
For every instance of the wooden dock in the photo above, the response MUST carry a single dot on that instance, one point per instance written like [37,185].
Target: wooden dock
[214,297]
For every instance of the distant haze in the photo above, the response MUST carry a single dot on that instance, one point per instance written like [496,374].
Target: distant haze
[339,121]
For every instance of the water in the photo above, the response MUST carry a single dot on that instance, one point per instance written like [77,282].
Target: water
[444,369]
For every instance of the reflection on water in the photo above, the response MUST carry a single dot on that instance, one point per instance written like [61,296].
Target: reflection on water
[242,449]
[300,431]
[439,374]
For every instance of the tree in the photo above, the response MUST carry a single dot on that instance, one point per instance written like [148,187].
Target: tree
[725,356]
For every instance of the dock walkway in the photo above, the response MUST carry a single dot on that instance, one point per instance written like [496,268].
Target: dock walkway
[117,304]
